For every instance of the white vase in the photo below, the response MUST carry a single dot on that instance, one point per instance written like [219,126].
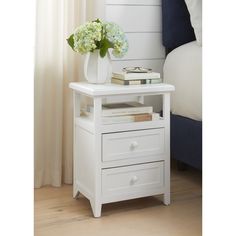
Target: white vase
[97,70]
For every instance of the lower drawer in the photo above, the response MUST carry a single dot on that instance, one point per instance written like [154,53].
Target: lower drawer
[132,181]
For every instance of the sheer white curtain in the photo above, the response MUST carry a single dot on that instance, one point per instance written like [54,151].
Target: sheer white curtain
[55,66]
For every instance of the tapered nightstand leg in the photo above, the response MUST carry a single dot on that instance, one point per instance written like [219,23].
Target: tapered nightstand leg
[166,199]
[96,208]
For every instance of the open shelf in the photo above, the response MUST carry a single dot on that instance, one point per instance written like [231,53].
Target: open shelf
[88,124]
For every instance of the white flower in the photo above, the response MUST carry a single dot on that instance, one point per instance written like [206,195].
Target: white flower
[117,37]
[94,35]
[86,36]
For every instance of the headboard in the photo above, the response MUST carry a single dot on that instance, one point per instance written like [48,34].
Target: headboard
[176,25]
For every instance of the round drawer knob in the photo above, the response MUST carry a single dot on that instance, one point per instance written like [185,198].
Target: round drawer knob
[133,145]
[133,180]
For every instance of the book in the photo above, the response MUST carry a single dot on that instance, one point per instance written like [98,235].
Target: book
[136,76]
[127,82]
[136,82]
[119,109]
[126,119]
[153,81]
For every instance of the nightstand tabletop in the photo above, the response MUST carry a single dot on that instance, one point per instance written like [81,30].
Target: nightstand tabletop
[110,89]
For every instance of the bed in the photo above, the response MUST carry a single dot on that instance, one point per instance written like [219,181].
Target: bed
[183,68]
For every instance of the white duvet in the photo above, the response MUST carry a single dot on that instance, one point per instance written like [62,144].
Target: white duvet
[183,69]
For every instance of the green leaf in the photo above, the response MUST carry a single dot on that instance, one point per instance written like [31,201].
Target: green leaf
[97,20]
[105,45]
[70,41]
[103,51]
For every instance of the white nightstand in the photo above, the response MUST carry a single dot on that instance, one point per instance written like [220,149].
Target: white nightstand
[117,162]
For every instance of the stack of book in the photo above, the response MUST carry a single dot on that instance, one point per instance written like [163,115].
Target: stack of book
[127,78]
[124,112]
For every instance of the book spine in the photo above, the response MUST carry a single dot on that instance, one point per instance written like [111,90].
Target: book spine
[136,76]
[136,82]
[127,111]
[143,117]
[127,82]
[153,81]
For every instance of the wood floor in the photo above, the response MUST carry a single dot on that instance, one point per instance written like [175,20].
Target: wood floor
[57,213]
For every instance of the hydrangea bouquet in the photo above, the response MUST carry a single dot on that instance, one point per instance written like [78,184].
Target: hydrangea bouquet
[99,35]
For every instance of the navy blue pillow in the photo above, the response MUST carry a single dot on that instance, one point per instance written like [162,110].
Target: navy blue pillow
[176,25]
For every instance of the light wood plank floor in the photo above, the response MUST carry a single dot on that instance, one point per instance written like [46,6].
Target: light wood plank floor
[57,213]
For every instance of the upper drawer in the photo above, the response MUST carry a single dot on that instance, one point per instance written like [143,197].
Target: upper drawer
[148,17]
[134,2]
[136,145]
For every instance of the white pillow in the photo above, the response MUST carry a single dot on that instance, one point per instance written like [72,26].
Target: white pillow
[195,11]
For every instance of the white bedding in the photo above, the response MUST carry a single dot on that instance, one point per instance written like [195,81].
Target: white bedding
[183,69]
